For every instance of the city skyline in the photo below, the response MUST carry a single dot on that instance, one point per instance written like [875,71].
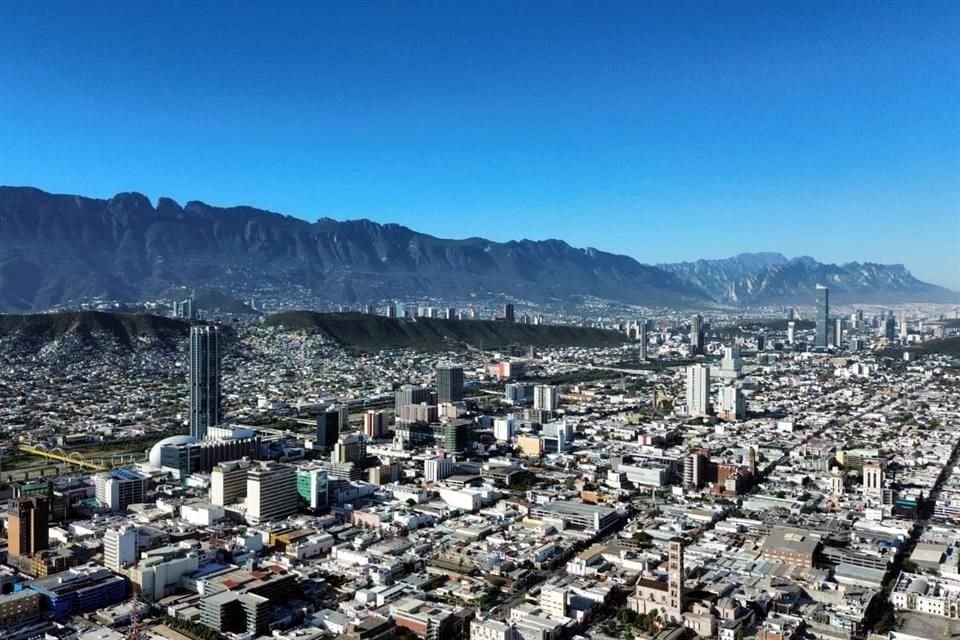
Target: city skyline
[697,122]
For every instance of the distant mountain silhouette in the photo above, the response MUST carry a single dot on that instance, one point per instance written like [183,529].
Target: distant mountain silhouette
[771,278]
[61,250]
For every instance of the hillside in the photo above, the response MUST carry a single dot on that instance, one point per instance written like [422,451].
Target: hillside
[369,332]
[123,328]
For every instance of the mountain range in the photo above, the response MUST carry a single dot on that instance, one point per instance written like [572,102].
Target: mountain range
[61,250]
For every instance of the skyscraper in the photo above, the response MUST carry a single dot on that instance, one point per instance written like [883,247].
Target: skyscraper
[837,332]
[205,409]
[508,314]
[698,390]
[696,335]
[449,384]
[271,492]
[28,526]
[823,316]
[791,332]
[642,338]
[546,397]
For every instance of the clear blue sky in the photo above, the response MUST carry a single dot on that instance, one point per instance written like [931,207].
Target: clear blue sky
[665,131]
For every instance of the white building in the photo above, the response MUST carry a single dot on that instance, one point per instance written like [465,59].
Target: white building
[553,600]
[731,366]
[120,548]
[698,390]
[492,630]
[271,492]
[546,397]
[733,405]
[504,428]
[438,468]
[119,488]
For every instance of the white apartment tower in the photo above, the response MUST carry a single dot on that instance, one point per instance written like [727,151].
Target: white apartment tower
[698,390]
[546,397]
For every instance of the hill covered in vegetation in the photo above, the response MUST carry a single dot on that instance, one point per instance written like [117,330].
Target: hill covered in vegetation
[125,328]
[369,332]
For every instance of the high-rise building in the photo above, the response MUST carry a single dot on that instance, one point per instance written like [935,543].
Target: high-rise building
[228,482]
[349,448]
[888,329]
[504,429]
[192,457]
[642,338]
[733,405]
[449,384]
[391,311]
[823,316]
[761,342]
[508,313]
[119,488]
[205,358]
[312,486]
[271,492]
[696,334]
[328,429]
[694,470]
[731,366]
[698,390]
[837,332]
[904,329]
[375,424]
[873,477]
[456,435]
[791,332]
[439,468]
[120,547]
[28,526]
[546,397]
[411,394]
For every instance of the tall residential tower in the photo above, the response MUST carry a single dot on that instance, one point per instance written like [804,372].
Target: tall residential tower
[823,316]
[205,410]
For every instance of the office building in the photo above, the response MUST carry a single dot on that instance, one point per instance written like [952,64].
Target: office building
[518,392]
[271,492]
[873,477]
[577,515]
[185,458]
[823,316]
[119,488]
[556,436]
[79,590]
[546,397]
[184,309]
[791,332]
[888,329]
[456,435]
[312,486]
[695,470]
[205,360]
[696,335]
[375,424]
[733,405]
[449,384]
[731,366]
[761,342]
[28,526]
[904,329]
[17,608]
[120,548]
[411,394]
[837,332]
[508,313]
[349,448]
[439,468]
[504,428]
[642,338]
[698,390]
[228,482]
[328,429]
